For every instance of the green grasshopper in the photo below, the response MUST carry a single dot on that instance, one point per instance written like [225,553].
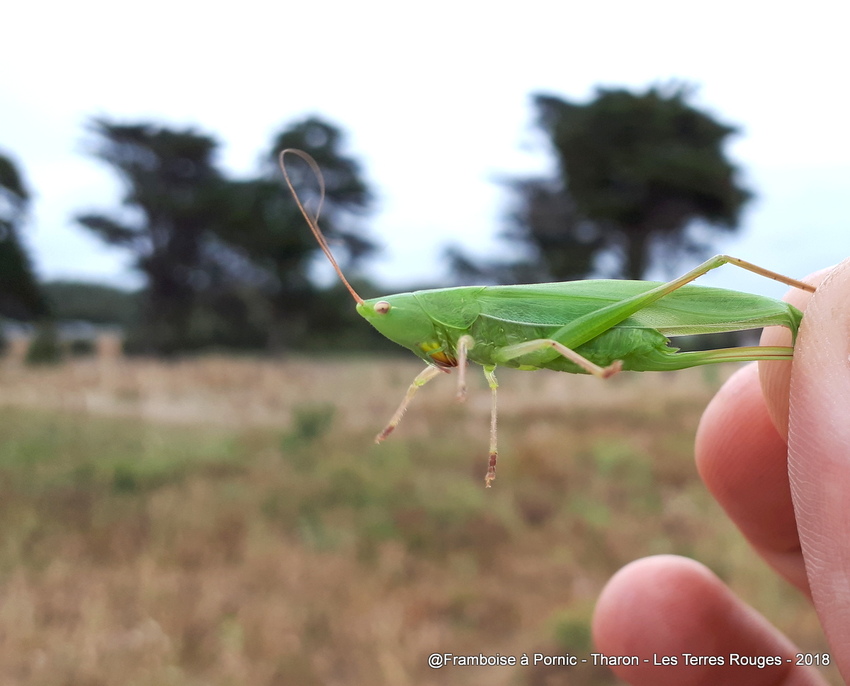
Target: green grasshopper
[597,327]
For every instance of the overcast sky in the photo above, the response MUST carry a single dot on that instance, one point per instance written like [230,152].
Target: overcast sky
[435,98]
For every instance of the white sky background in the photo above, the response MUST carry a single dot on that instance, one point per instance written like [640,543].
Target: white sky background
[435,99]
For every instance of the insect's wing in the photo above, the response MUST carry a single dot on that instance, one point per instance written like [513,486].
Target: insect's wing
[697,309]
[688,310]
[555,304]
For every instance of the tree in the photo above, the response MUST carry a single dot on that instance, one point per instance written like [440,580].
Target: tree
[172,205]
[636,173]
[20,296]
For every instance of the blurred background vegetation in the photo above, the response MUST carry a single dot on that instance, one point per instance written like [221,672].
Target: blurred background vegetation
[227,263]
[228,520]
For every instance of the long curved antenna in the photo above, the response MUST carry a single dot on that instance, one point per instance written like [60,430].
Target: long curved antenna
[313,222]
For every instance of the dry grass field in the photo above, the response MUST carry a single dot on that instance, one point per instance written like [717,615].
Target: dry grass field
[229,521]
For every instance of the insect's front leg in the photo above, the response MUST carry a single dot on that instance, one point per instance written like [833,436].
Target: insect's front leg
[421,379]
[519,349]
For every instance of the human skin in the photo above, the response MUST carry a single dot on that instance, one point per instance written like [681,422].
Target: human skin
[773,447]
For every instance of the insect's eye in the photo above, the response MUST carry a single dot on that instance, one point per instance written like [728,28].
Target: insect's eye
[382,307]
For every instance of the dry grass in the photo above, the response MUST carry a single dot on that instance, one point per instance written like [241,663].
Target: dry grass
[224,521]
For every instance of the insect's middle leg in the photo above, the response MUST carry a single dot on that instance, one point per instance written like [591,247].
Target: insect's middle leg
[464,345]
[519,349]
[490,373]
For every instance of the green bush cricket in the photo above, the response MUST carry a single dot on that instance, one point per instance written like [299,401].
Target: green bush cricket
[596,326]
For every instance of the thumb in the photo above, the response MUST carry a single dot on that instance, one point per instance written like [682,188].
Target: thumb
[819,454]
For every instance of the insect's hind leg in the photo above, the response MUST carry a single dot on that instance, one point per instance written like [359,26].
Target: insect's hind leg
[518,350]
[667,360]
[761,271]
[421,379]
[589,326]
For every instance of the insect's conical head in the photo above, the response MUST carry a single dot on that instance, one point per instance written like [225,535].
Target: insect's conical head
[401,319]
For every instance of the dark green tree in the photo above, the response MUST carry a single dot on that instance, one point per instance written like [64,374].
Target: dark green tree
[637,172]
[172,210]
[643,168]
[20,295]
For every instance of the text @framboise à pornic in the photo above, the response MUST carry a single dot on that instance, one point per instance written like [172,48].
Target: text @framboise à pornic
[440,660]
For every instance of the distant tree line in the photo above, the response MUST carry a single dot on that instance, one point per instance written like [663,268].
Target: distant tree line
[227,262]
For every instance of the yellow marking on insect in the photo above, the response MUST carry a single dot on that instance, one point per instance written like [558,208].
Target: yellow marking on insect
[436,352]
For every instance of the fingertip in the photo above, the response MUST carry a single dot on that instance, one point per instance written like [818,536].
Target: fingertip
[648,588]
[648,610]
[666,608]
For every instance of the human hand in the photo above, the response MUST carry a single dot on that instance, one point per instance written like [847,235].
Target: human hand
[795,512]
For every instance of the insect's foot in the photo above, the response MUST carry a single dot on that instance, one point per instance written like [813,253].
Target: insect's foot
[461,394]
[491,470]
[613,368]
[383,435]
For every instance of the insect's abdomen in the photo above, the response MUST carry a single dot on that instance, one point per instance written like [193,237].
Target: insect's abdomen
[637,348]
